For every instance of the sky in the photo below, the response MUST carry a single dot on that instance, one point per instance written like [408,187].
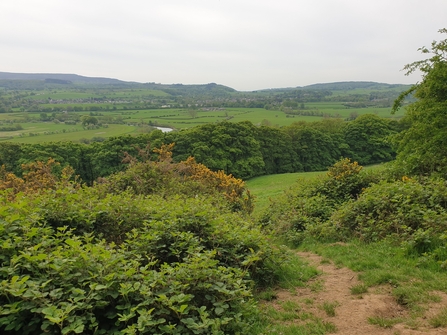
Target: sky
[243,44]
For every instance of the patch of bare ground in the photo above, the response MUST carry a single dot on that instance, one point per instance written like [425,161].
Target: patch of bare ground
[332,291]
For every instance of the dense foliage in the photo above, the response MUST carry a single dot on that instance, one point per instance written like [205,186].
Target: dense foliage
[422,146]
[240,149]
[120,259]
[372,206]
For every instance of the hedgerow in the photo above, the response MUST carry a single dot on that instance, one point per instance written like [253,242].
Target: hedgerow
[112,259]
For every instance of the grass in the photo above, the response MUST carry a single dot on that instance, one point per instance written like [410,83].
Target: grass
[439,320]
[48,132]
[383,322]
[329,308]
[359,289]
[268,187]
[288,318]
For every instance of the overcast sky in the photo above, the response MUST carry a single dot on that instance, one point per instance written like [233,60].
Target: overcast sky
[244,44]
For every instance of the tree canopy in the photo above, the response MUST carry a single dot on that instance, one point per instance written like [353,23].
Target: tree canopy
[421,148]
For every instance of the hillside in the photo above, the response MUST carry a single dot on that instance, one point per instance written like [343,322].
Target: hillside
[72,78]
[61,78]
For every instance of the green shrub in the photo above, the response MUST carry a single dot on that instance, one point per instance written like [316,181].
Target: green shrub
[166,228]
[408,210]
[60,283]
[305,208]
[79,261]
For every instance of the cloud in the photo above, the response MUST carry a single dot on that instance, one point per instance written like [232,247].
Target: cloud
[243,44]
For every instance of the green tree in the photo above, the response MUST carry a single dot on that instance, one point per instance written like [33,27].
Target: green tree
[422,147]
[277,151]
[227,146]
[86,120]
[368,139]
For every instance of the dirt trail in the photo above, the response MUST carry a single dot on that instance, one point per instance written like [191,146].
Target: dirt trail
[352,311]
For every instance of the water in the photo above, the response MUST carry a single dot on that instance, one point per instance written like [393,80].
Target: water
[164,129]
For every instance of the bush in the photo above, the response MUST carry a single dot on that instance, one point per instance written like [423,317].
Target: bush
[400,209]
[189,178]
[307,206]
[116,258]
[59,283]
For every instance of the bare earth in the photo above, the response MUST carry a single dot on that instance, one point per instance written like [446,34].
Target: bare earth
[352,311]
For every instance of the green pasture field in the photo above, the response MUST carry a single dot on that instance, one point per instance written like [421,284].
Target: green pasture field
[97,93]
[103,107]
[334,108]
[62,95]
[180,118]
[268,187]
[50,132]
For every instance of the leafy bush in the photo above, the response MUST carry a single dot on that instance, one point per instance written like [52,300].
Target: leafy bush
[407,210]
[307,206]
[116,258]
[410,212]
[60,283]
[187,177]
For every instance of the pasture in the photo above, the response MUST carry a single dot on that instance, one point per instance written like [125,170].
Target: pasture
[268,187]
[50,132]
[82,93]
[122,120]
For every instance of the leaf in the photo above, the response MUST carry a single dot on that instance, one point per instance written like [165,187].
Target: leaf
[182,308]
[219,310]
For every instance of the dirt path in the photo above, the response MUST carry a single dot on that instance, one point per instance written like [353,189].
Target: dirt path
[352,311]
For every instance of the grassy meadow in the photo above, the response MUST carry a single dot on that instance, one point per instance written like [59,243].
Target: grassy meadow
[268,187]
[176,118]
[50,132]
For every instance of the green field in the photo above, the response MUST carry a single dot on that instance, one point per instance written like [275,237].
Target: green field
[176,118]
[49,132]
[135,104]
[96,93]
[268,187]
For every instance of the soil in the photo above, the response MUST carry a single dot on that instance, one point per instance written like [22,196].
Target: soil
[352,311]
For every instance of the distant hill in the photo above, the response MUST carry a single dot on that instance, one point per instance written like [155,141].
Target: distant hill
[58,78]
[44,80]
[40,79]
[350,85]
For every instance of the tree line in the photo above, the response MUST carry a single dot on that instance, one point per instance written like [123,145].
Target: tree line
[241,149]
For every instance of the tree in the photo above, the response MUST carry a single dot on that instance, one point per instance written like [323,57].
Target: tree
[276,149]
[86,120]
[368,139]
[227,146]
[421,148]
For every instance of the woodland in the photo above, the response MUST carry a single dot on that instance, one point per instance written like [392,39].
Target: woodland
[156,234]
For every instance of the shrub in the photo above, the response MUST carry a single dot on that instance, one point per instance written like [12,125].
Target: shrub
[168,178]
[402,209]
[118,259]
[307,206]
[60,283]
